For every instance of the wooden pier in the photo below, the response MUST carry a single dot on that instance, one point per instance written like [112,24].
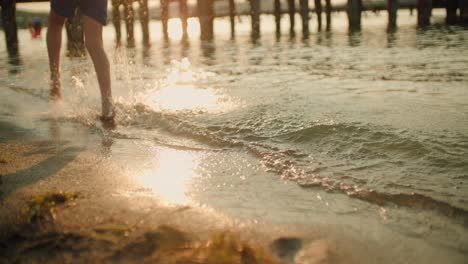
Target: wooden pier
[206,13]
[129,18]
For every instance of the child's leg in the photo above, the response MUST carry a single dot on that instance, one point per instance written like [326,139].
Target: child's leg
[94,45]
[54,42]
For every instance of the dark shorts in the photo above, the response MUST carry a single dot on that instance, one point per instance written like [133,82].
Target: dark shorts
[95,9]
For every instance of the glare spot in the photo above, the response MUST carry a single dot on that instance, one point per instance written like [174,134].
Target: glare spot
[172,175]
[181,90]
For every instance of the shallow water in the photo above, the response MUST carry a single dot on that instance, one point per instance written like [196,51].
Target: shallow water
[363,131]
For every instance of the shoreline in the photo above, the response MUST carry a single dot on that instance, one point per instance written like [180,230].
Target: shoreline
[113,219]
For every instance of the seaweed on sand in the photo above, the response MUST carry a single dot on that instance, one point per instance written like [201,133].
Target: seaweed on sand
[220,248]
[37,239]
[41,207]
[226,247]
[150,245]
[33,236]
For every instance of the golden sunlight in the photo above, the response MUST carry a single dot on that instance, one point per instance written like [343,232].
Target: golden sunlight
[178,91]
[174,27]
[171,176]
[184,97]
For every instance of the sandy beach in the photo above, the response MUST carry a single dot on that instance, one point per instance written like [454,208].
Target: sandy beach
[111,219]
[100,214]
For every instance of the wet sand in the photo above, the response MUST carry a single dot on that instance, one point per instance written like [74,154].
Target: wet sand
[114,220]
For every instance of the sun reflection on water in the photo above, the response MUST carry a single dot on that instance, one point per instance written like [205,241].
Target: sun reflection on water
[181,90]
[172,174]
[185,97]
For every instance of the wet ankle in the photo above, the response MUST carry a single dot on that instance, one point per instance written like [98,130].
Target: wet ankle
[108,111]
[55,93]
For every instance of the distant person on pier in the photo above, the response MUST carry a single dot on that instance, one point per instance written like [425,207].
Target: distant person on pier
[94,17]
[35,27]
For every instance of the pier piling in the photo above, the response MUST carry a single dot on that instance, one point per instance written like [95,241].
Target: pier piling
[232,17]
[424,12]
[129,22]
[291,12]
[206,17]
[183,10]
[116,20]
[255,15]
[354,14]
[165,17]
[464,11]
[318,11]
[304,6]
[392,7]
[451,8]
[10,27]
[144,20]
[277,13]
[328,9]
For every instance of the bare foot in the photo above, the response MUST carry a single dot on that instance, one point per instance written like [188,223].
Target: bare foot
[108,122]
[108,117]
[107,107]
[55,90]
